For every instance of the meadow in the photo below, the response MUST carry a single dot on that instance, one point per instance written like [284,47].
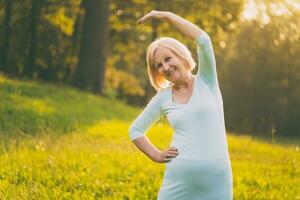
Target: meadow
[59,143]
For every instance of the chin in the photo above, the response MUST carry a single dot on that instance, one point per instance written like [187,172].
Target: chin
[175,77]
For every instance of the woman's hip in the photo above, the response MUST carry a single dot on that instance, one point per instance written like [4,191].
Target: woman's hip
[200,172]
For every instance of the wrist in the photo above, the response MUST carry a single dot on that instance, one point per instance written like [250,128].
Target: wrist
[155,155]
[167,15]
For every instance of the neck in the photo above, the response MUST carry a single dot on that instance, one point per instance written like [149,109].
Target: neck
[185,82]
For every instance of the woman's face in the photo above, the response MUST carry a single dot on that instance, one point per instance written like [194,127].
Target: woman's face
[167,64]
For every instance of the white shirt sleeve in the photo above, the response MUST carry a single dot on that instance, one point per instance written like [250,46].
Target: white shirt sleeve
[151,114]
[206,59]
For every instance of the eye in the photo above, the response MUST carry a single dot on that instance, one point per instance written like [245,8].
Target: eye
[158,66]
[168,58]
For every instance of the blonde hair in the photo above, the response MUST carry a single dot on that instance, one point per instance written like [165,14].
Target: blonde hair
[181,52]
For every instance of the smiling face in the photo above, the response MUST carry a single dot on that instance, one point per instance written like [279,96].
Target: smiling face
[169,65]
[168,60]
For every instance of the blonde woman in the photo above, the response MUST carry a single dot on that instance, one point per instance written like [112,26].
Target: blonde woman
[197,162]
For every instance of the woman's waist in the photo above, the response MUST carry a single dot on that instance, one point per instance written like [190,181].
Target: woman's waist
[200,138]
[197,156]
[200,144]
[198,152]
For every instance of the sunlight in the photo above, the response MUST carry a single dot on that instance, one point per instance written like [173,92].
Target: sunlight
[294,4]
[279,9]
[250,10]
[254,10]
[258,9]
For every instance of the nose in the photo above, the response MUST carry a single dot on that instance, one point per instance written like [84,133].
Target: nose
[165,67]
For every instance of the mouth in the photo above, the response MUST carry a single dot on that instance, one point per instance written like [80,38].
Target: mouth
[171,72]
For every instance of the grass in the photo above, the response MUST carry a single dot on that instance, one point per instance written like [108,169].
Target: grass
[58,143]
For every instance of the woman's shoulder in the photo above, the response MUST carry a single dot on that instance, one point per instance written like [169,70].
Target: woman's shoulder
[164,91]
[164,88]
[162,94]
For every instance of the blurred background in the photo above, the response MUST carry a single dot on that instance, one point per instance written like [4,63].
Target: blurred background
[97,46]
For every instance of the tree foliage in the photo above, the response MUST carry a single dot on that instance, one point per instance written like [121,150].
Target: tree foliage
[257,60]
[261,76]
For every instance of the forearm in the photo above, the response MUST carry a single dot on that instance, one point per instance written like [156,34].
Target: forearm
[144,144]
[186,27]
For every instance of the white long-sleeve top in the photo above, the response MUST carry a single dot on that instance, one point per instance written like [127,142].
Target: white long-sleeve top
[199,128]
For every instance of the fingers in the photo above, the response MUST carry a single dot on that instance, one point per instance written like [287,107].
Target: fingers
[143,19]
[140,20]
[148,16]
[173,149]
[170,154]
[169,157]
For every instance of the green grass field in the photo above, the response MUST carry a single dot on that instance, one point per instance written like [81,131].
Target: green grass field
[58,143]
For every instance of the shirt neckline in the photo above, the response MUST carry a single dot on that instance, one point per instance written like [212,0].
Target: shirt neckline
[189,100]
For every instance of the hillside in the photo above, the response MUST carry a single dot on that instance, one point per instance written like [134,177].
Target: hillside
[59,143]
[29,108]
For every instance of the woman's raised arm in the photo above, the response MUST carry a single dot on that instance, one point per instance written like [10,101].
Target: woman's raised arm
[206,57]
[186,27]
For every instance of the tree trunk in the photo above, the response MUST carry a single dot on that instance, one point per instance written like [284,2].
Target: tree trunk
[73,51]
[90,71]
[7,30]
[34,21]
[150,91]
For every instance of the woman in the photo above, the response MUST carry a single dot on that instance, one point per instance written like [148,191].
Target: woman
[197,164]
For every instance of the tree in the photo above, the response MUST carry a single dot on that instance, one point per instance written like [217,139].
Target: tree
[7,32]
[35,13]
[89,73]
[130,40]
[261,77]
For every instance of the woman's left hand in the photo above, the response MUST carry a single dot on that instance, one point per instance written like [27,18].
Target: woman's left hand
[161,15]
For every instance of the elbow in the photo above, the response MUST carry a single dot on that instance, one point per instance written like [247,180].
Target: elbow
[205,37]
[131,136]
[204,34]
[134,134]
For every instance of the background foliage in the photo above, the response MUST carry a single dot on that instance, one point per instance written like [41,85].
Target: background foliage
[256,45]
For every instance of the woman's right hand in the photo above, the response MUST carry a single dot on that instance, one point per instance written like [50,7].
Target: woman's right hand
[160,15]
[166,156]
